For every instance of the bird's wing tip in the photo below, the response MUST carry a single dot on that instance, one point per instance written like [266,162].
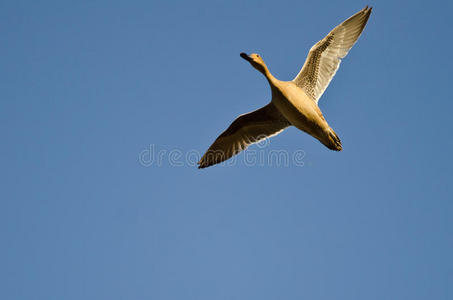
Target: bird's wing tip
[202,165]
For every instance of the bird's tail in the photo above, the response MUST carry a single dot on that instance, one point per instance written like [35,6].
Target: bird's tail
[334,142]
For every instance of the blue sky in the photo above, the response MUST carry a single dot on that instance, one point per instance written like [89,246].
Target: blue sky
[87,86]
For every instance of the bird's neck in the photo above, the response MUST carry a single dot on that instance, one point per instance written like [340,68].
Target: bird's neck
[262,68]
[270,78]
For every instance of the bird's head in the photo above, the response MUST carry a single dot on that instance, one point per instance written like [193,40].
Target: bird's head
[255,60]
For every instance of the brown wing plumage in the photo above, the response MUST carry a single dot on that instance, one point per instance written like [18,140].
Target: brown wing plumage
[245,130]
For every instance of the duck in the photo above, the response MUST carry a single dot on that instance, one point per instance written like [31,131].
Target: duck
[295,102]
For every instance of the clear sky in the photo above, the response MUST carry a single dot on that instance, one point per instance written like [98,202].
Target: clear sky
[88,87]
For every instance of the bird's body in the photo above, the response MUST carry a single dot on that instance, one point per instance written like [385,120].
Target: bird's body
[302,112]
[294,103]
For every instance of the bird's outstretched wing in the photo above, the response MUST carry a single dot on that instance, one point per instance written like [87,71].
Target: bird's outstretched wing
[245,130]
[325,56]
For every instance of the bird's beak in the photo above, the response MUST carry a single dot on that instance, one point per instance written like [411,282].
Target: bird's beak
[245,56]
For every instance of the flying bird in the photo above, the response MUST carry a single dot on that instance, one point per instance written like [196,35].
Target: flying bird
[294,103]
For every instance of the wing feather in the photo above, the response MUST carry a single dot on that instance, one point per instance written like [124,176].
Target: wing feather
[247,129]
[325,56]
